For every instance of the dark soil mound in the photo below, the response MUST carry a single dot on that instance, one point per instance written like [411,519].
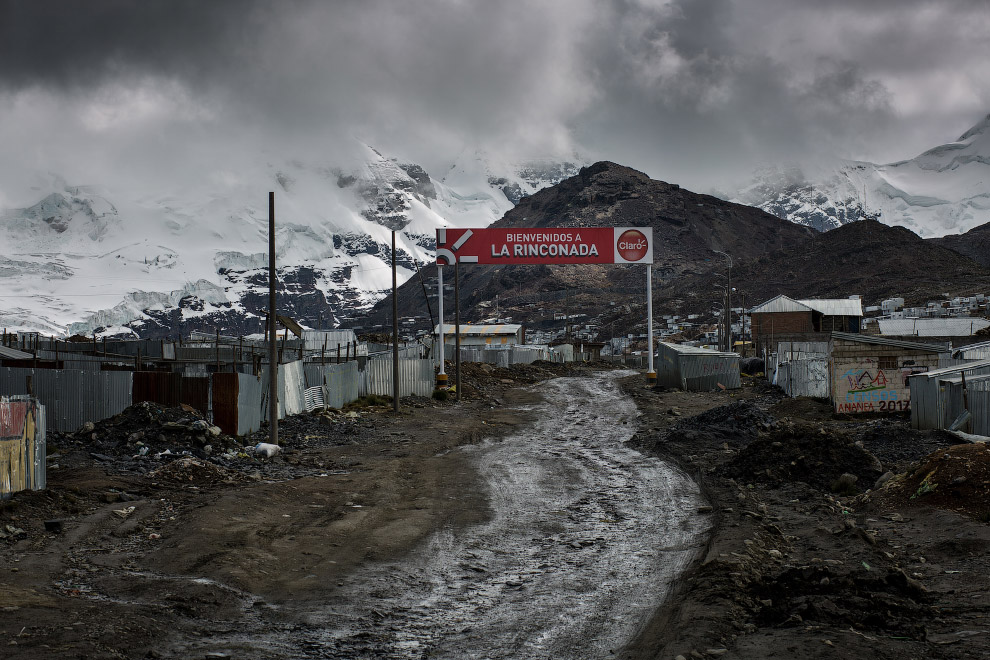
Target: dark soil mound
[864,599]
[956,478]
[737,424]
[805,453]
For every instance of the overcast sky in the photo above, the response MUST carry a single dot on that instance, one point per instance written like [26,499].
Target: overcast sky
[696,92]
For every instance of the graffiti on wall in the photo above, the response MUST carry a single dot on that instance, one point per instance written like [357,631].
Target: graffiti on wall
[863,386]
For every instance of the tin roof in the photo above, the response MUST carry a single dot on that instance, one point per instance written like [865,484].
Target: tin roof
[959,368]
[981,347]
[826,306]
[14,354]
[950,327]
[780,304]
[686,349]
[884,341]
[467,329]
[836,306]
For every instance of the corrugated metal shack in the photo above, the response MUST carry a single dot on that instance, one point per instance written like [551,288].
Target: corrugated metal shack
[870,374]
[696,369]
[938,397]
[22,445]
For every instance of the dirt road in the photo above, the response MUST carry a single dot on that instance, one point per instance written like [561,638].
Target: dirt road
[532,532]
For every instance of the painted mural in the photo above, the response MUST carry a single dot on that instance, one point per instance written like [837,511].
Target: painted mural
[863,386]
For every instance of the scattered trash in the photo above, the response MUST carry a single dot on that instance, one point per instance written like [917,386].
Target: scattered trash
[266,449]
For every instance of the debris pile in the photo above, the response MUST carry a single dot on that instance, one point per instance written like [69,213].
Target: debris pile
[192,471]
[148,428]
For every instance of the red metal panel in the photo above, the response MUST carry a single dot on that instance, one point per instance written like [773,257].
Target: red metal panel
[12,416]
[160,388]
[549,245]
[225,390]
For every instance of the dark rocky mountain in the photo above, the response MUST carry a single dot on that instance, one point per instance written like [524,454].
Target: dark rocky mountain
[866,258]
[770,256]
[687,227]
[974,244]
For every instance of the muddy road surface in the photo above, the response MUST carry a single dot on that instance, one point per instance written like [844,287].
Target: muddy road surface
[581,539]
[584,536]
[516,527]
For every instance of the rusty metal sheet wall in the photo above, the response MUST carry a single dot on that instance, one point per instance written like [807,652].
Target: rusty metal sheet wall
[22,445]
[196,393]
[162,388]
[225,390]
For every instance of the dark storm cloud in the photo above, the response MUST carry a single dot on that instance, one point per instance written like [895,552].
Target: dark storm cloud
[77,42]
[694,91]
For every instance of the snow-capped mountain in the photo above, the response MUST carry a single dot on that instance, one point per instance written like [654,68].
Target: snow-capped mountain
[945,190]
[85,258]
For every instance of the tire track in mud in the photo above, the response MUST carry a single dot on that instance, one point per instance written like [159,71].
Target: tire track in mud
[584,539]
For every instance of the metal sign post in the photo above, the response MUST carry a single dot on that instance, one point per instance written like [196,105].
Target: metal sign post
[651,374]
[395,334]
[442,374]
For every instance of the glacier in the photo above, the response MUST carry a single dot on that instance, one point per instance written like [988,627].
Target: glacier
[945,190]
[92,259]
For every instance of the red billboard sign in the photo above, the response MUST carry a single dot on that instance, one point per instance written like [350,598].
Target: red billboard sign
[551,245]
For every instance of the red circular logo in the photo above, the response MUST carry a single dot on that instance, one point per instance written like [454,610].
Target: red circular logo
[632,245]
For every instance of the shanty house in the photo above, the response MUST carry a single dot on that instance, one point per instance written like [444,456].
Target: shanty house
[485,336]
[870,374]
[783,318]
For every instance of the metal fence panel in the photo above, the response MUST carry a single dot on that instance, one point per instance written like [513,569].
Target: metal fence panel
[294,389]
[809,377]
[979,407]
[341,380]
[72,398]
[415,377]
[250,403]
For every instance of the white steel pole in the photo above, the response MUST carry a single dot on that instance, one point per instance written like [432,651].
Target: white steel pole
[651,375]
[442,374]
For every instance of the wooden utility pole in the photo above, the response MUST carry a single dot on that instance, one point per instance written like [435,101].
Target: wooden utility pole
[395,334]
[272,332]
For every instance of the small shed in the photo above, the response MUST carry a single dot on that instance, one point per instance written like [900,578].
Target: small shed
[696,369]
[870,374]
[488,336]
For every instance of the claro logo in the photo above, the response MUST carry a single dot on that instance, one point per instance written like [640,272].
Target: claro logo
[632,245]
